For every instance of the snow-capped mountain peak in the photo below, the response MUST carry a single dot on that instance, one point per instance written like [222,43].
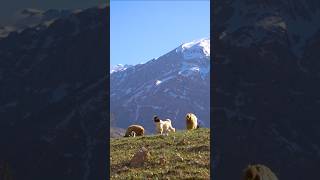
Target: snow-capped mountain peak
[119,67]
[195,49]
[170,85]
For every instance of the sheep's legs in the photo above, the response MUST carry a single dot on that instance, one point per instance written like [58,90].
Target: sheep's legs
[166,132]
[171,129]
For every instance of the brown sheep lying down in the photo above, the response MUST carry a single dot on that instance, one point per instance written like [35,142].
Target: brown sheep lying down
[191,121]
[258,172]
[134,130]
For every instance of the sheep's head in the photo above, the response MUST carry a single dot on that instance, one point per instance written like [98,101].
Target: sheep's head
[156,119]
[133,134]
[189,117]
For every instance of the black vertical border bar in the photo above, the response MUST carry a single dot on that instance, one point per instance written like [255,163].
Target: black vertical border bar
[213,138]
[106,170]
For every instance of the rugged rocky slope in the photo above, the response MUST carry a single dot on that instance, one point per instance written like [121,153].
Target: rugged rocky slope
[54,116]
[33,17]
[266,90]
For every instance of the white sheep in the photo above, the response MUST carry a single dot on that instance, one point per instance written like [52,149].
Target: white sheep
[191,121]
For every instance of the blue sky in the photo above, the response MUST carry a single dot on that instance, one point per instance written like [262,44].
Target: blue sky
[142,30]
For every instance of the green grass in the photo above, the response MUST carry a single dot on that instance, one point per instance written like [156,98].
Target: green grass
[194,164]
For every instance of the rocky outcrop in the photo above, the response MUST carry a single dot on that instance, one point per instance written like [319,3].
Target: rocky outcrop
[140,157]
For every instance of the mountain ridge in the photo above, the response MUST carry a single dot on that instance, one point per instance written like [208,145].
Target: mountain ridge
[145,87]
[53,98]
[265,87]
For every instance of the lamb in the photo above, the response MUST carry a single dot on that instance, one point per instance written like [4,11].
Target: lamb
[134,130]
[258,172]
[163,126]
[191,121]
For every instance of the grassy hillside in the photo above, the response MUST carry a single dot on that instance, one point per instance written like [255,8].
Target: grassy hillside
[186,154]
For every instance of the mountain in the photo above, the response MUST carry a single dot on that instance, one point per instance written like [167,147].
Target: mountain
[119,67]
[266,88]
[169,86]
[54,116]
[33,17]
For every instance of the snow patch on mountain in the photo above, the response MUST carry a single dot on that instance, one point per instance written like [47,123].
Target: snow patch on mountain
[119,67]
[5,30]
[195,49]
[158,82]
[30,18]
[188,69]
[31,12]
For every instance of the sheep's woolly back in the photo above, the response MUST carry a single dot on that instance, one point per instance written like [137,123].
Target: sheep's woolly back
[258,172]
[192,121]
[139,130]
